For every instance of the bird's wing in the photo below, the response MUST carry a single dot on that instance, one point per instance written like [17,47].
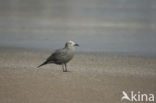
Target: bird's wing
[60,53]
[53,57]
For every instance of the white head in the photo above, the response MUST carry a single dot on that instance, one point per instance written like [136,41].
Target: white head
[71,44]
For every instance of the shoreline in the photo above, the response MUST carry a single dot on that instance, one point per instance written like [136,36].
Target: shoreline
[106,53]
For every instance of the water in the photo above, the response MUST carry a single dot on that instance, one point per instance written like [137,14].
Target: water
[118,26]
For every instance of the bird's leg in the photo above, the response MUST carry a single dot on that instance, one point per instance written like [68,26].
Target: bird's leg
[65,67]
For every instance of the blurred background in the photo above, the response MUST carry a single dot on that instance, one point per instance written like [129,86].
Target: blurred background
[110,26]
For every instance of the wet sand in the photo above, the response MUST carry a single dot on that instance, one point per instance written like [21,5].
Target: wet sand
[93,77]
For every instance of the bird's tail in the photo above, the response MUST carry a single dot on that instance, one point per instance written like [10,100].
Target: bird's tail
[44,63]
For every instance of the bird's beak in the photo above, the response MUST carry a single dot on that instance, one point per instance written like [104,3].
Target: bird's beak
[76,45]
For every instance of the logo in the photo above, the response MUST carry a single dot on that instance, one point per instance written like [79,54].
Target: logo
[137,96]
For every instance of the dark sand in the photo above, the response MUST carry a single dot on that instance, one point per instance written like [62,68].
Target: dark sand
[93,78]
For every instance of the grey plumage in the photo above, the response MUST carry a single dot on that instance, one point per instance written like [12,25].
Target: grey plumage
[62,56]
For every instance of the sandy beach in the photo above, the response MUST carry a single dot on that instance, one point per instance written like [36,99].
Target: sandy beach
[93,77]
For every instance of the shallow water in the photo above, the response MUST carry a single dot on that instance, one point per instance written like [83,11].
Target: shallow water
[117,26]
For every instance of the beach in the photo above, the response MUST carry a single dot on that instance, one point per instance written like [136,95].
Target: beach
[92,77]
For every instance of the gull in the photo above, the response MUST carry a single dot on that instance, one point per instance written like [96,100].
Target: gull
[62,56]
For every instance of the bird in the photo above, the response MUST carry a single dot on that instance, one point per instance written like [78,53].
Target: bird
[62,56]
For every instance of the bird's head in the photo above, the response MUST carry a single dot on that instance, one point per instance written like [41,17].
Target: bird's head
[71,44]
